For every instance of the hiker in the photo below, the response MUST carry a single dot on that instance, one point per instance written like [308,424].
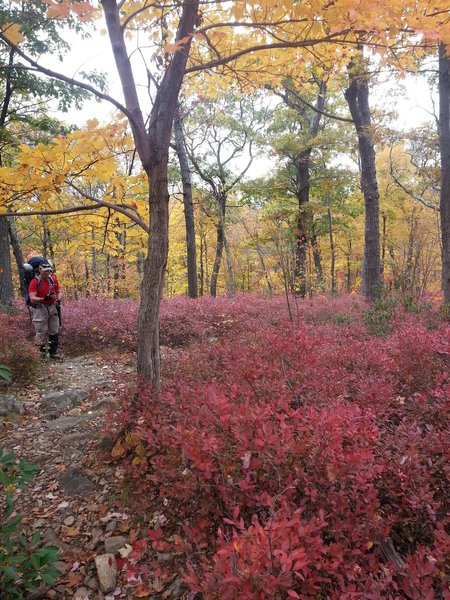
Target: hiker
[44,294]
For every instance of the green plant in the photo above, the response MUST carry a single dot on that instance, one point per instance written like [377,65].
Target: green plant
[24,566]
[378,319]
[342,319]
[5,373]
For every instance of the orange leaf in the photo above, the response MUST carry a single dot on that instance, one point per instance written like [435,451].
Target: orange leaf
[74,580]
[141,591]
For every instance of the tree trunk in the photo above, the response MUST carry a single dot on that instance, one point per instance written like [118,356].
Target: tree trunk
[357,96]
[332,252]
[188,207]
[148,354]
[217,259]
[152,145]
[302,164]
[317,259]
[349,267]
[17,250]
[229,263]
[444,140]
[6,284]
[301,242]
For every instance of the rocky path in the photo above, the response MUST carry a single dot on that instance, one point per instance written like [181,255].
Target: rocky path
[76,500]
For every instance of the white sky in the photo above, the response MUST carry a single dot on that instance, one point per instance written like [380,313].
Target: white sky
[411,97]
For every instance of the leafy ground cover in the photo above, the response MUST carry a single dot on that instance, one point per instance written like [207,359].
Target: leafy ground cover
[304,459]
[298,460]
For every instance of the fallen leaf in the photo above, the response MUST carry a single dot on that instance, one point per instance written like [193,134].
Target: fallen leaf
[74,580]
[125,551]
[142,591]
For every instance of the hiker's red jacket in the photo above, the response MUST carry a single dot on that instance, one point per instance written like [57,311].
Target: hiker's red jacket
[43,288]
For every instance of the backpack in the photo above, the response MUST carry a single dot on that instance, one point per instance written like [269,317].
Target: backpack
[30,270]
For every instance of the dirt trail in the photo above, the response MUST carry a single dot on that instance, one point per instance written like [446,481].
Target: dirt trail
[75,501]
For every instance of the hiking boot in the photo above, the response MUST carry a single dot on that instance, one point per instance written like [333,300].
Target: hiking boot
[56,357]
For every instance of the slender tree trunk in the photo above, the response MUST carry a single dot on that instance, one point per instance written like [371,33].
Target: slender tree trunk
[357,96]
[108,273]
[229,263]
[87,276]
[17,250]
[383,242]
[188,206]
[349,267]
[332,252]
[317,260]
[94,267]
[202,270]
[6,284]
[444,139]
[44,238]
[51,249]
[217,258]
[301,247]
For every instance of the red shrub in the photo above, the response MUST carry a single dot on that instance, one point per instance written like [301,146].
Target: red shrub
[294,454]
[17,349]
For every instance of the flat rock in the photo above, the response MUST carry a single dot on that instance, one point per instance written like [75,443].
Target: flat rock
[64,423]
[63,400]
[8,404]
[75,482]
[106,571]
[114,543]
[104,403]
[72,439]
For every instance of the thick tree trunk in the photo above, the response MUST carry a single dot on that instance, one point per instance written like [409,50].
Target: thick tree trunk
[188,207]
[17,250]
[148,354]
[444,139]
[152,145]
[6,283]
[357,96]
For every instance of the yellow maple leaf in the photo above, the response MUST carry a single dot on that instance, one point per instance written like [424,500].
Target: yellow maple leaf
[12,33]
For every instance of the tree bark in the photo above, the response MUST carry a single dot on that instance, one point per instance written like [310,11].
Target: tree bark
[152,145]
[444,140]
[17,251]
[332,252]
[217,258]
[357,96]
[188,207]
[302,164]
[6,284]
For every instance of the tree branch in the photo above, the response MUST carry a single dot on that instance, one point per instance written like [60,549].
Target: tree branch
[59,211]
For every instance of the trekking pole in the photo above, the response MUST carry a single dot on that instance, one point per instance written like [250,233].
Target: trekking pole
[58,309]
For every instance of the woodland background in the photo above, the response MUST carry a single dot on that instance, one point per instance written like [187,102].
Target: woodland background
[295,435]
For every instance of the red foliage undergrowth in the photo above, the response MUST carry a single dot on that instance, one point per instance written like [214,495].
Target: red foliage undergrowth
[305,460]
[17,349]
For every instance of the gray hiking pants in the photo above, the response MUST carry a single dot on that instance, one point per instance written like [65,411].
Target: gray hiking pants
[46,322]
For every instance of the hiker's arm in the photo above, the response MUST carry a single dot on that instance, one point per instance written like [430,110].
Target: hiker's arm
[35,299]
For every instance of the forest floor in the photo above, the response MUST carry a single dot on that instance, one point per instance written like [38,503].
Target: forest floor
[77,501]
